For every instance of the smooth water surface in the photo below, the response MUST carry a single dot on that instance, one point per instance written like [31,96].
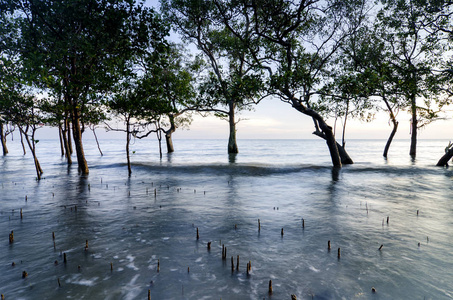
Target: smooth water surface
[134,224]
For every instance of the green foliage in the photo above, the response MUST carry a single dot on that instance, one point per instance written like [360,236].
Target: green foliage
[159,90]
[414,52]
[322,55]
[217,28]
[77,50]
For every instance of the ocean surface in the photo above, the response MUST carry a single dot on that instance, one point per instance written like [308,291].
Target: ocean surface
[391,219]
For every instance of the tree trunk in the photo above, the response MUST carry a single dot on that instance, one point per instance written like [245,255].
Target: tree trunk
[232,145]
[325,132]
[97,142]
[66,143]
[38,165]
[128,158]
[22,142]
[443,161]
[3,139]
[344,156]
[69,137]
[413,148]
[77,134]
[38,168]
[395,126]
[159,139]
[168,133]
[332,145]
[60,133]
[390,139]
[169,142]
[343,142]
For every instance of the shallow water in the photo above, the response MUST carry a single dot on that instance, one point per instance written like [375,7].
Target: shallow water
[199,186]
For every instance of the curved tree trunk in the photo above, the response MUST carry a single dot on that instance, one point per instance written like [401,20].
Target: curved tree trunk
[413,149]
[332,145]
[344,156]
[390,139]
[232,145]
[38,165]
[77,134]
[168,133]
[3,139]
[325,132]
[38,168]
[443,161]
[395,127]
[97,142]
[22,142]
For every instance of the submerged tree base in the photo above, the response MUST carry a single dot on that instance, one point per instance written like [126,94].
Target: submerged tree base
[443,161]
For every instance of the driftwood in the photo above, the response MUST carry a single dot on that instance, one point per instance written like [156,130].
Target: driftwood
[443,161]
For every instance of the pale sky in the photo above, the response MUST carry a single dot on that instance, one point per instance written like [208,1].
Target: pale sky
[273,119]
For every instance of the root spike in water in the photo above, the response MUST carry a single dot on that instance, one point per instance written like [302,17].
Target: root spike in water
[11,237]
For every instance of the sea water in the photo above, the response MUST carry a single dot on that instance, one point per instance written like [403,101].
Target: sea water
[391,219]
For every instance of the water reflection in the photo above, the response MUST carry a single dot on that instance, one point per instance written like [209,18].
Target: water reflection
[169,157]
[232,158]
[336,174]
